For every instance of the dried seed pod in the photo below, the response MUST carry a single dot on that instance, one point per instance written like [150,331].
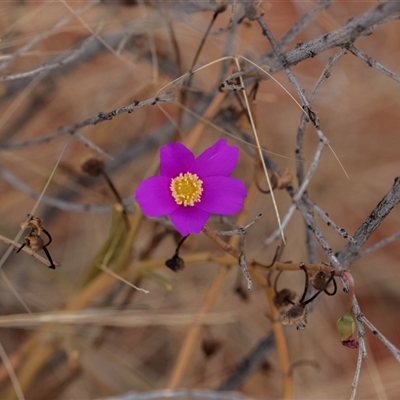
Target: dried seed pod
[319,280]
[175,263]
[34,241]
[35,224]
[296,315]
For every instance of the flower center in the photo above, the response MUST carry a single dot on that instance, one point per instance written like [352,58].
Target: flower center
[186,189]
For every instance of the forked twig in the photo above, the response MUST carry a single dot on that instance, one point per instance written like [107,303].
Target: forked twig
[350,252]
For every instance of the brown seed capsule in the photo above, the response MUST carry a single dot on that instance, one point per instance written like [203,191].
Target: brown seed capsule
[296,315]
[175,263]
[35,223]
[319,280]
[34,241]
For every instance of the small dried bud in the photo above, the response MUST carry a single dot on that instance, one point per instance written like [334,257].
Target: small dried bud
[93,166]
[175,263]
[35,223]
[34,241]
[296,315]
[283,298]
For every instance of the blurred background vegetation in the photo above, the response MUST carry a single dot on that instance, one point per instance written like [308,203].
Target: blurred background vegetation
[126,339]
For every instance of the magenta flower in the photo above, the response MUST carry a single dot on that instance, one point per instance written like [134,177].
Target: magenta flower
[189,189]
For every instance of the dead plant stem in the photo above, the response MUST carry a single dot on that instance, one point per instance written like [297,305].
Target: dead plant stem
[279,337]
[192,335]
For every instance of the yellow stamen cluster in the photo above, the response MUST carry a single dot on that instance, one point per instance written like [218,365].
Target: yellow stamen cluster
[186,189]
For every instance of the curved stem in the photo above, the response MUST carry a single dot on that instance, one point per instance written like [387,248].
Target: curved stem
[48,236]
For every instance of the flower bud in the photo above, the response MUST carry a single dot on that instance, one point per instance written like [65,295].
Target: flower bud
[346,327]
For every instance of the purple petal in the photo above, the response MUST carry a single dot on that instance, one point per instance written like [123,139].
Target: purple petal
[154,196]
[188,220]
[222,195]
[219,159]
[174,159]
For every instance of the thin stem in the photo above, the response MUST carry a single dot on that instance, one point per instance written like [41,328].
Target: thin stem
[48,236]
[180,244]
[100,117]
[392,348]
[260,153]
[118,196]
[334,289]
[374,64]
[312,298]
[279,337]
[52,266]
[191,337]
[350,252]
[302,266]
[357,372]
[11,373]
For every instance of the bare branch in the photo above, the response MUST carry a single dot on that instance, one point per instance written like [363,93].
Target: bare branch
[342,232]
[357,373]
[193,394]
[100,117]
[285,220]
[46,34]
[353,30]
[51,201]
[379,245]
[393,349]
[350,252]
[374,64]
[73,55]
[304,21]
